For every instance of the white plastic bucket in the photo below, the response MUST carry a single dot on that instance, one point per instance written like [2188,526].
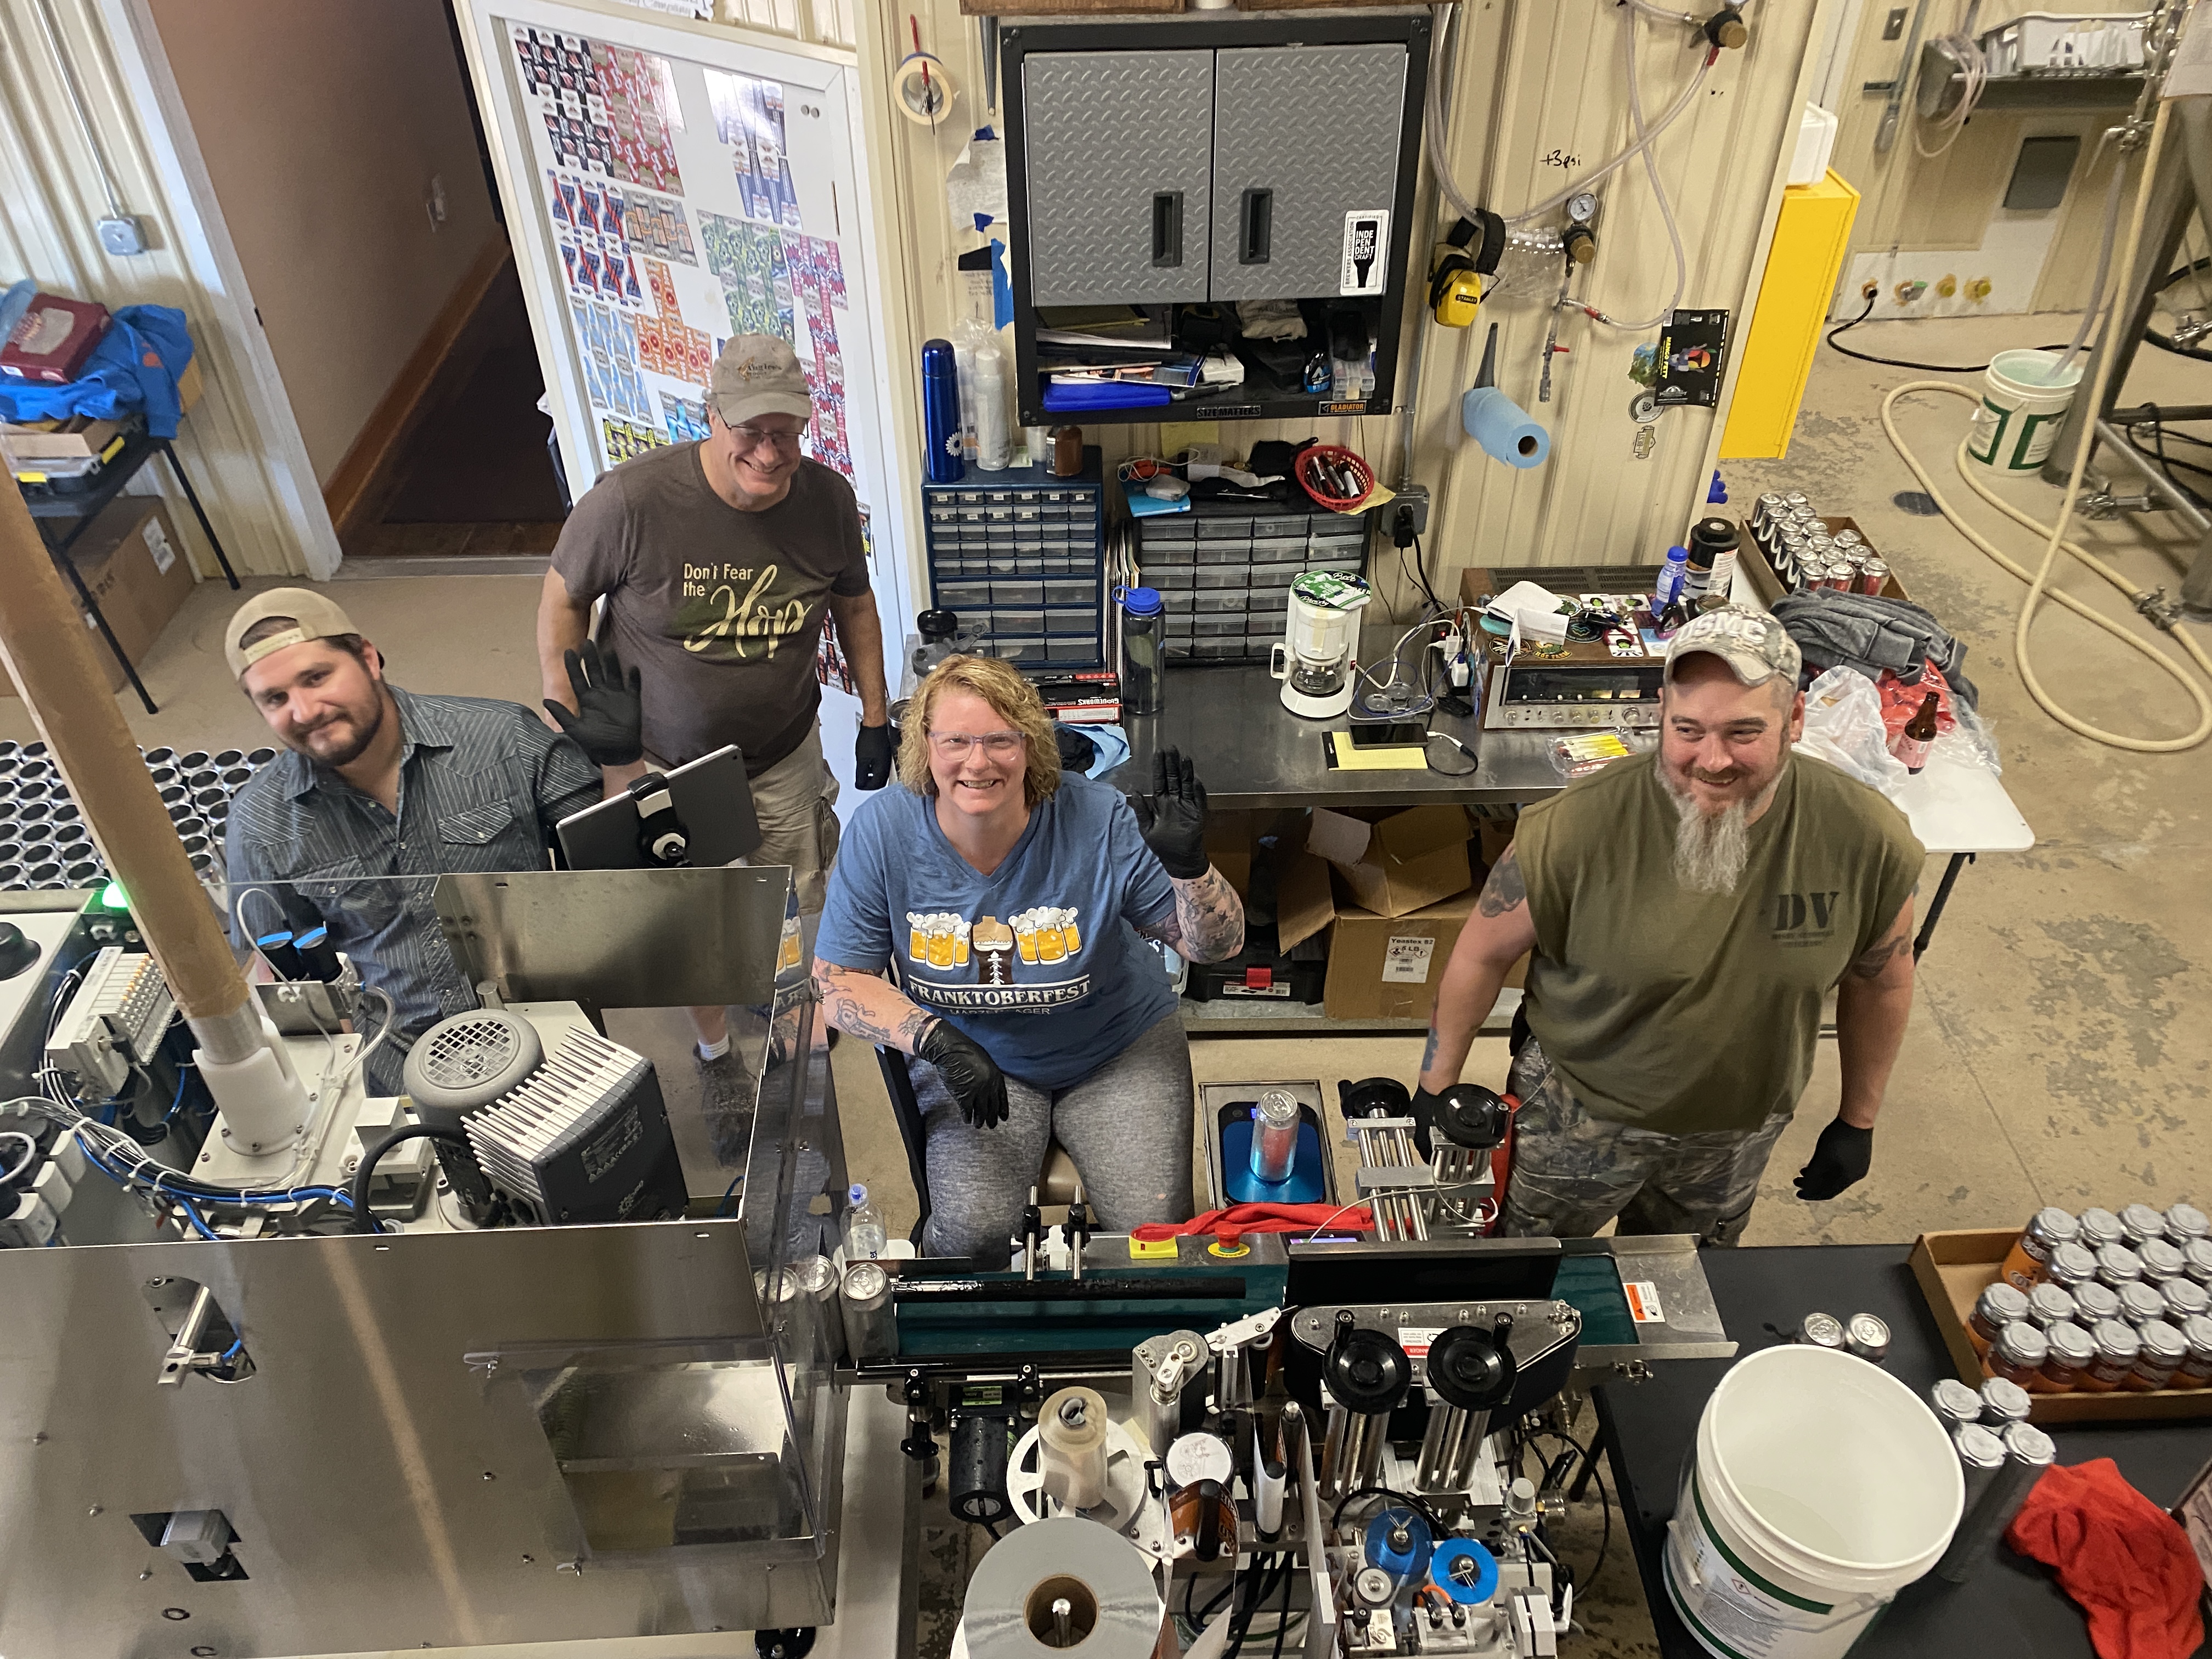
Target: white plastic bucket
[2021,409]
[1821,1485]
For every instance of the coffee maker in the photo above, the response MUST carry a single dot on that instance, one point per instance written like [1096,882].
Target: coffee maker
[1314,661]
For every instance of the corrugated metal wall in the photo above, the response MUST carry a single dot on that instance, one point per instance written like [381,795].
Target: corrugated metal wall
[1537,82]
[51,198]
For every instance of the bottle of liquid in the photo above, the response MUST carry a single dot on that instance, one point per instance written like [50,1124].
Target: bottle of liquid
[1914,742]
[1668,587]
[1143,625]
[864,1228]
[940,414]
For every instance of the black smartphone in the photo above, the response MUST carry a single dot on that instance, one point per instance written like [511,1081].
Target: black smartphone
[1387,734]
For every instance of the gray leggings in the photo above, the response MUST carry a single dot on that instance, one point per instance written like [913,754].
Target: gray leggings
[1127,1126]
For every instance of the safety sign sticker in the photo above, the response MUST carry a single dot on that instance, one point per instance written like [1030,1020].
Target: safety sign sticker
[1642,1302]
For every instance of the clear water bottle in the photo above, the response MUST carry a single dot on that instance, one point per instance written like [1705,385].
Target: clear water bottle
[864,1228]
[1144,629]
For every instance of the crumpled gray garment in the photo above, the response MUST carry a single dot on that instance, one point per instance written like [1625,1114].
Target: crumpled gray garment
[1871,634]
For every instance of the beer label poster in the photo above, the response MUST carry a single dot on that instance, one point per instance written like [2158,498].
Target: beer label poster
[1024,964]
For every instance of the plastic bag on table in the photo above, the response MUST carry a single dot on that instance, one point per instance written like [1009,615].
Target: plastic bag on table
[1843,726]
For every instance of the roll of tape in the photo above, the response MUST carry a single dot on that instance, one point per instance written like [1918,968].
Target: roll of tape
[1068,1569]
[922,90]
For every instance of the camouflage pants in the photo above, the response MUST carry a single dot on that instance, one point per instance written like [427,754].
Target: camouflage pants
[1572,1173]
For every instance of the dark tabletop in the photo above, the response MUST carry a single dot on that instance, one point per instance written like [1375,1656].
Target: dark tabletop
[1251,751]
[2009,1605]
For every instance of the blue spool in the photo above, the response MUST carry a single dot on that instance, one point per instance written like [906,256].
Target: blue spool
[1464,1570]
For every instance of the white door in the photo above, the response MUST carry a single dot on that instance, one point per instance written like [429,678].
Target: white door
[669,185]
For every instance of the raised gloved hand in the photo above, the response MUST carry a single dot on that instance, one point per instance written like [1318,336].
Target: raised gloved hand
[1174,820]
[872,757]
[973,1076]
[608,722]
[1841,1158]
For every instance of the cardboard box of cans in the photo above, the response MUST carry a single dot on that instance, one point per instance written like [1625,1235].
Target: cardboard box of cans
[1755,555]
[1954,1269]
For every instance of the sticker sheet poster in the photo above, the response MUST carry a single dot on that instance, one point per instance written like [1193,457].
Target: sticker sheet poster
[749,118]
[606,109]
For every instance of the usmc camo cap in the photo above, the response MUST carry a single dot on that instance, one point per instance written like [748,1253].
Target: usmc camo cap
[1754,645]
[759,375]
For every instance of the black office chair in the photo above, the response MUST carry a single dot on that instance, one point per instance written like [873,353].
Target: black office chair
[1055,1182]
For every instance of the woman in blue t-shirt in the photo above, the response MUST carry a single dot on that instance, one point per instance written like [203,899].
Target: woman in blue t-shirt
[1015,900]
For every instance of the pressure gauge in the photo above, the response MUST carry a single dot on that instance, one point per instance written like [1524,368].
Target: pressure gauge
[1581,206]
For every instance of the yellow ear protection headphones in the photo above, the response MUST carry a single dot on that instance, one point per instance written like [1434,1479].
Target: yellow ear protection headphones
[1469,251]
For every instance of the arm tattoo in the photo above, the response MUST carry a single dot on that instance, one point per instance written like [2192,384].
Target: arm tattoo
[1505,890]
[1872,962]
[845,1006]
[1207,924]
[1429,1054]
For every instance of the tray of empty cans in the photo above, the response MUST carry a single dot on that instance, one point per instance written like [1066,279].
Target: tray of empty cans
[1224,568]
[45,844]
[1019,556]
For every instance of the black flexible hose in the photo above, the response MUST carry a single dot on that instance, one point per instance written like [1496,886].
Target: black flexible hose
[363,1221]
[1900,363]
[2165,342]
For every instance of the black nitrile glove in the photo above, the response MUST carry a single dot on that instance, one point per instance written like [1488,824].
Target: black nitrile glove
[974,1078]
[872,757]
[1174,819]
[1841,1158]
[608,722]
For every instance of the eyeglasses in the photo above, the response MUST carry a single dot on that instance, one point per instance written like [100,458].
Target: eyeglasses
[755,436]
[956,745]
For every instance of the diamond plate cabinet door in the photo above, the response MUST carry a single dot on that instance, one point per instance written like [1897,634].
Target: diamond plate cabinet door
[1120,175]
[1302,137]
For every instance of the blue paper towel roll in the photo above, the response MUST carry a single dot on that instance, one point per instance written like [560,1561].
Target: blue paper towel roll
[1502,427]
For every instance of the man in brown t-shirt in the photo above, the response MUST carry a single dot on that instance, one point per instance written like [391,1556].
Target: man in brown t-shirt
[718,561]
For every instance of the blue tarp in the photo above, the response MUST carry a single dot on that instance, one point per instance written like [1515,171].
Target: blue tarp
[134,366]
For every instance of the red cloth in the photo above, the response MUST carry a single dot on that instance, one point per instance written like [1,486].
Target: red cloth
[1901,701]
[1240,1219]
[2124,1561]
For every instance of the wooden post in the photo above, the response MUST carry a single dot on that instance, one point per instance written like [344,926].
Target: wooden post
[48,650]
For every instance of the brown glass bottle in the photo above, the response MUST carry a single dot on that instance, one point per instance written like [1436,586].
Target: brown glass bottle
[1914,742]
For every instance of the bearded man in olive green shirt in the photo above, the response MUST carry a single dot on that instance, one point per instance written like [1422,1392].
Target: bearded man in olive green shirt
[1687,913]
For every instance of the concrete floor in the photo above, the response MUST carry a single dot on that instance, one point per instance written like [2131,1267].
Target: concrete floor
[2051,1059]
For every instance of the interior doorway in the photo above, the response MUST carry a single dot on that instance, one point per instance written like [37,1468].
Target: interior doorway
[476,474]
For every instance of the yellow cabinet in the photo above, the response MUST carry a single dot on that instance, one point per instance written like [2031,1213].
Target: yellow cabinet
[1810,236]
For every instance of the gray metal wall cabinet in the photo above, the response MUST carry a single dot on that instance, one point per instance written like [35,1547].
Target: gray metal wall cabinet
[1119,175]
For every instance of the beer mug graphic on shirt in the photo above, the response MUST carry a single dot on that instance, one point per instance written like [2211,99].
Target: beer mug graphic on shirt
[1069,932]
[917,937]
[1052,946]
[959,943]
[940,940]
[1026,933]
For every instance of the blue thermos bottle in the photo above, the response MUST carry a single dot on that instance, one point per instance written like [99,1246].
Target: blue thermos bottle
[941,413]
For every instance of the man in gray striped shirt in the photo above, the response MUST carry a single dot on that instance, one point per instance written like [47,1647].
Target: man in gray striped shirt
[382,782]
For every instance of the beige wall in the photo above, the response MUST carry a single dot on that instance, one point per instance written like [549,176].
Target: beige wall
[1948,204]
[1534,76]
[322,122]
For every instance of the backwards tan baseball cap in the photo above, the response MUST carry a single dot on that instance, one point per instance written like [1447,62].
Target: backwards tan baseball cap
[1754,645]
[315,617]
[759,375]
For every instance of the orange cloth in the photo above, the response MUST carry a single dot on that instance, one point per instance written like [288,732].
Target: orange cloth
[2124,1561]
